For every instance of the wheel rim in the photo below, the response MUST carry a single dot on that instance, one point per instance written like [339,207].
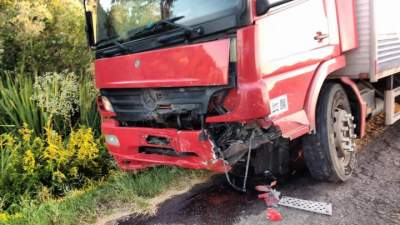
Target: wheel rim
[344,136]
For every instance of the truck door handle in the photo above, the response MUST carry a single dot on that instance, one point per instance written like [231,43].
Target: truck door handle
[320,36]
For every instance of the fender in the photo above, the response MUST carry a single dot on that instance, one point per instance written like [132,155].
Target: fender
[322,73]
[362,105]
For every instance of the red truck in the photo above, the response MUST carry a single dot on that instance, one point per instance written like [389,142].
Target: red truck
[226,84]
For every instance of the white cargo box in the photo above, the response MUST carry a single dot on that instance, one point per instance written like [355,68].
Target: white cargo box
[378,54]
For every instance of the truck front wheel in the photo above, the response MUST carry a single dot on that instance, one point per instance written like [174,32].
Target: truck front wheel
[330,152]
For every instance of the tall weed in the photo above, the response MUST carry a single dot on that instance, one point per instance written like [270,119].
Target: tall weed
[88,114]
[62,99]
[16,104]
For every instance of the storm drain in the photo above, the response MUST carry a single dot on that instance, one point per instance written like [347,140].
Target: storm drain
[311,206]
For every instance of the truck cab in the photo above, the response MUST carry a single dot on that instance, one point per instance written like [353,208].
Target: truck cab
[216,84]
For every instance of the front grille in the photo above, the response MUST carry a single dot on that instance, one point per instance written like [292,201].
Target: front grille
[166,107]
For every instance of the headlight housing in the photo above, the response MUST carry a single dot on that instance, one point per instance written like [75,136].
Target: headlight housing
[112,140]
[107,104]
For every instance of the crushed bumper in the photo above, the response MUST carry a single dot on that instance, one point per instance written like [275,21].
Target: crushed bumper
[190,151]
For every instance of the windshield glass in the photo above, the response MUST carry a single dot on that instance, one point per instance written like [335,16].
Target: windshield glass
[119,18]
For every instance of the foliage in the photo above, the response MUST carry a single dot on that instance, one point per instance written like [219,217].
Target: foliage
[41,36]
[121,190]
[62,99]
[50,146]
[16,105]
[123,16]
[32,165]
[56,93]
[88,114]
[1,51]
[47,103]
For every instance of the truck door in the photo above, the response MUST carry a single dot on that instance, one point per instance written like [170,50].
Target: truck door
[294,32]
[292,40]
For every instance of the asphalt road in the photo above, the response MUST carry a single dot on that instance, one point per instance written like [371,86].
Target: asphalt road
[371,197]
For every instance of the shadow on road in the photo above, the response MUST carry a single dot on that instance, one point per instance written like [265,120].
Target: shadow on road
[214,202]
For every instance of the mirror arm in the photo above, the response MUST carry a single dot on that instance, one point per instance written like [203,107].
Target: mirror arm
[263,6]
[89,28]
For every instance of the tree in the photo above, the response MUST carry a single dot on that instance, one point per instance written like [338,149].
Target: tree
[41,36]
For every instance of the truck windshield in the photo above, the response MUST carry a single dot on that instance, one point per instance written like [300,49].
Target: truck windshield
[117,19]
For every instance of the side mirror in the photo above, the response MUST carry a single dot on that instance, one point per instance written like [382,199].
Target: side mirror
[89,28]
[263,6]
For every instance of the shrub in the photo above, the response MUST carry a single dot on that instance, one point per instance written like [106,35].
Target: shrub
[56,94]
[43,36]
[31,166]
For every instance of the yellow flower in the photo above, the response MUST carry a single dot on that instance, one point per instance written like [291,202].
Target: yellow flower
[29,162]
[58,176]
[55,151]
[74,172]
[2,142]
[38,143]
[88,148]
[26,133]
[9,140]
[4,217]
[83,143]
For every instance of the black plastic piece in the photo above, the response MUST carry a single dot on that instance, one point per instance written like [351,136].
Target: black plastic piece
[165,152]
[262,7]
[89,28]
[156,140]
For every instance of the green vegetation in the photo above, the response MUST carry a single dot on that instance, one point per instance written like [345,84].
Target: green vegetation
[63,99]
[39,36]
[35,168]
[54,168]
[121,190]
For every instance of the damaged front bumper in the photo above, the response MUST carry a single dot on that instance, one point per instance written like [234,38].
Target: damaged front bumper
[137,148]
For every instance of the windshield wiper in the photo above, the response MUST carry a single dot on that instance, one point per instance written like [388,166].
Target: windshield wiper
[162,25]
[112,40]
[157,27]
[106,41]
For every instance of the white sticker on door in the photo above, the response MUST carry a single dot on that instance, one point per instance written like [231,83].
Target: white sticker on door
[279,105]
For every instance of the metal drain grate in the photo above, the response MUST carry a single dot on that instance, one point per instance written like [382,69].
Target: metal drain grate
[316,207]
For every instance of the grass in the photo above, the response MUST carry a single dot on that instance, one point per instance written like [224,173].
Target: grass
[97,200]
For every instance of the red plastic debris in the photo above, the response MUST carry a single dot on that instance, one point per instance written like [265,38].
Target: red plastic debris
[263,196]
[274,215]
[269,199]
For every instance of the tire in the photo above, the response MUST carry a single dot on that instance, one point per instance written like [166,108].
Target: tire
[330,152]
